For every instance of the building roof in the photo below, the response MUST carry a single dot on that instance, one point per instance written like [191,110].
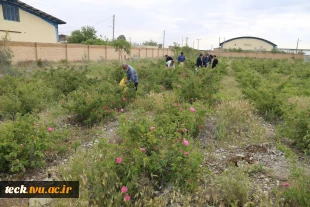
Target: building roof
[34,10]
[248,37]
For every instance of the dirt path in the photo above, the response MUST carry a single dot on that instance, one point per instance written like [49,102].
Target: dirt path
[229,139]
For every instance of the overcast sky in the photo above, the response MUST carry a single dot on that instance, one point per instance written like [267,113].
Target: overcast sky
[281,22]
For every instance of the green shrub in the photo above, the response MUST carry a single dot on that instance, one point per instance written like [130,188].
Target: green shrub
[40,63]
[156,155]
[297,193]
[64,80]
[23,95]
[25,144]
[92,104]
[297,122]
[10,105]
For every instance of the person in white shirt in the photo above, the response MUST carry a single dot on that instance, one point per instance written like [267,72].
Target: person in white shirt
[169,62]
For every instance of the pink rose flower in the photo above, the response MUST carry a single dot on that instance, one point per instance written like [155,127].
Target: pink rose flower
[124,99]
[186,153]
[286,184]
[124,189]
[119,160]
[50,129]
[152,128]
[143,150]
[122,110]
[185,142]
[127,198]
[192,109]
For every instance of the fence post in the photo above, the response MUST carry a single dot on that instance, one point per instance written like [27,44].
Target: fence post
[145,52]
[139,54]
[106,53]
[152,52]
[36,50]
[67,52]
[88,52]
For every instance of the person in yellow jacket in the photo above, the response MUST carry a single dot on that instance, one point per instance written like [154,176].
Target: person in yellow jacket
[132,75]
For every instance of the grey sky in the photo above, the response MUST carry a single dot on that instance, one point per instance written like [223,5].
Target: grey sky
[281,22]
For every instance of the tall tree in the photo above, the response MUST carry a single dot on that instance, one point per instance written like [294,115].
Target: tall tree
[176,49]
[6,54]
[84,34]
[122,46]
[121,37]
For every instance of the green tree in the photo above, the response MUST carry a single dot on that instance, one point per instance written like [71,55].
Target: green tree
[97,42]
[176,49]
[150,43]
[6,55]
[121,37]
[84,34]
[190,53]
[123,46]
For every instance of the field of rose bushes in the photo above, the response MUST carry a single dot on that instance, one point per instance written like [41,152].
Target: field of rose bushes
[280,90]
[40,110]
[156,159]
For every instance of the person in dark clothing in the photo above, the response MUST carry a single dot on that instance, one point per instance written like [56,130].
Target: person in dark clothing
[181,59]
[210,59]
[206,61]
[132,75]
[169,61]
[199,62]
[215,62]
[168,58]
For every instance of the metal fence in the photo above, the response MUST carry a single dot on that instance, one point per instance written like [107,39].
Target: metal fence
[307,58]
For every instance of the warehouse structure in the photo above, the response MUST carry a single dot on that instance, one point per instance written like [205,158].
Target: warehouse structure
[23,22]
[248,43]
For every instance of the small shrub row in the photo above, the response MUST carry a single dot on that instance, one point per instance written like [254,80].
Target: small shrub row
[25,143]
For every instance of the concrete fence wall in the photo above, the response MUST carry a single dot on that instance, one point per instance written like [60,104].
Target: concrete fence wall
[259,55]
[26,51]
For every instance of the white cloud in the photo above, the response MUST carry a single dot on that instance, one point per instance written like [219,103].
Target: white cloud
[281,22]
[139,4]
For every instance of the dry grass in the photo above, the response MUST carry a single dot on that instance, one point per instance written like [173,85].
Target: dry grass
[230,89]
[302,102]
[155,102]
[238,124]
